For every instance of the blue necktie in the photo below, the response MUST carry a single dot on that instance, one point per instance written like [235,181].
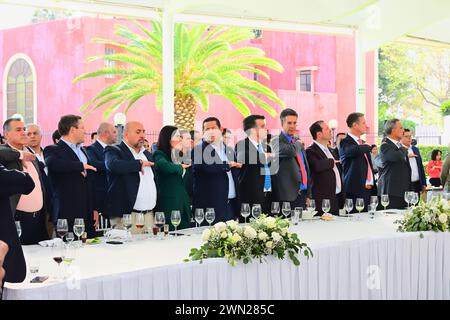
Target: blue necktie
[267,181]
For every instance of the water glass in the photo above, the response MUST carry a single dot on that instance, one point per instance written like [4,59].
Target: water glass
[385,202]
[297,215]
[348,205]
[311,205]
[286,209]
[78,227]
[326,206]
[275,208]
[372,210]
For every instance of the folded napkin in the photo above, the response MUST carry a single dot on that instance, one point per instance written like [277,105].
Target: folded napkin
[117,234]
[51,243]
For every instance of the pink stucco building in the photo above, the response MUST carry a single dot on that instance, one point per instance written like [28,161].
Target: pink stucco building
[39,62]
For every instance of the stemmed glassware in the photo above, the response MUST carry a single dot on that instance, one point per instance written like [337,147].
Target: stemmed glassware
[326,206]
[127,222]
[311,205]
[385,202]
[414,198]
[160,220]
[210,215]
[408,198]
[256,211]
[199,216]
[58,254]
[175,218]
[275,208]
[359,206]
[62,227]
[245,211]
[286,209]
[348,206]
[374,201]
[78,227]
[140,222]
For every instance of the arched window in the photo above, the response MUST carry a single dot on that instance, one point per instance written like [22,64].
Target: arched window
[20,89]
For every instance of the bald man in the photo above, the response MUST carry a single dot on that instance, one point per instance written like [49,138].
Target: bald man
[132,188]
[106,135]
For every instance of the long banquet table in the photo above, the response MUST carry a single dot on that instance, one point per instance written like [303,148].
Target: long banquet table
[364,259]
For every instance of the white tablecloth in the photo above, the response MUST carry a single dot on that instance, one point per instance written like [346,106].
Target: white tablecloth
[364,259]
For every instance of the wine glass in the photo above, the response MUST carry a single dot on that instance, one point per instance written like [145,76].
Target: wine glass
[311,206]
[18,228]
[140,222]
[69,254]
[385,201]
[275,208]
[326,206]
[408,197]
[359,206]
[210,216]
[256,211]
[414,198]
[62,227]
[245,211]
[199,216]
[160,220]
[78,227]
[57,253]
[286,209]
[175,218]
[348,205]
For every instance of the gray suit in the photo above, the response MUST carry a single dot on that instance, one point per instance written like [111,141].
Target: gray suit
[286,169]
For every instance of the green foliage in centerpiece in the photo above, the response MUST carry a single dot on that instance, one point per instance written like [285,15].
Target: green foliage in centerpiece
[432,216]
[265,236]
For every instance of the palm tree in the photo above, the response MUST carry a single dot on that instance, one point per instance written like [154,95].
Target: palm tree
[205,64]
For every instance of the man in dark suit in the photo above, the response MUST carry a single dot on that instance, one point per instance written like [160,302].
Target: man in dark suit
[12,182]
[29,209]
[359,179]
[418,177]
[71,174]
[395,170]
[255,181]
[326,170]
[215,174]
[106,135]
[132,188]
[291,179]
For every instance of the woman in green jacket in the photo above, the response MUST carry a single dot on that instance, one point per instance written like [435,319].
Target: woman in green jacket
[171,175]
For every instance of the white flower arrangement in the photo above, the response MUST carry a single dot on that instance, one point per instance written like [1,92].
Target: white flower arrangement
[264,236]
[432,216]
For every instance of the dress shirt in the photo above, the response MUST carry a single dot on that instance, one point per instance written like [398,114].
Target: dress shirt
[413,163]
[258,147]
[223,156]
[335,169]
[77,149]
[146,196]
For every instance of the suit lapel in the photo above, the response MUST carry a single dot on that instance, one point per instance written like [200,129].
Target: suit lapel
[68,150]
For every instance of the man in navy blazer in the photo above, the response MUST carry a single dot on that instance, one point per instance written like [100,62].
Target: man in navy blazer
[106,135]
[359,179]
[215,174]
[12,182]
[71,175]
[132,187]
[418,177]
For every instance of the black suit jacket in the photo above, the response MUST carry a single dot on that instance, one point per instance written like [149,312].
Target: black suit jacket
[395,171]
[123,179]
[74,195]
[10,159]
[419,161]
[252,175]
[97,157]
[286,169]
[211,179]
[355,167]
[324,178]
[12,182]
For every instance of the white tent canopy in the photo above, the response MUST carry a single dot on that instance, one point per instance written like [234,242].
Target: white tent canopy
[373,22]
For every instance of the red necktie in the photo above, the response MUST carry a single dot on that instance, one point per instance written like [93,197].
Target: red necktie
[369,170]
[302,167]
